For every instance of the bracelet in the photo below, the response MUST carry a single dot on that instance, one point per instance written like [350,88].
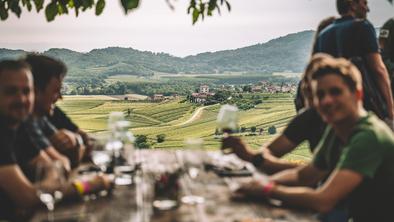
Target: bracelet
[258,160]
[86,187]
[79,187]
[82,187]
[267,189]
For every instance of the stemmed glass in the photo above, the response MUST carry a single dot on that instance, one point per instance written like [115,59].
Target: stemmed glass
[50,179]
[100,156]
[227,121]
[191,158]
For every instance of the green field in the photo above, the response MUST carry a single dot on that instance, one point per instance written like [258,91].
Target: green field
[169,117]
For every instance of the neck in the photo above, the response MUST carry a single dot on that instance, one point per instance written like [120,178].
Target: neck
[37,113]
[352,14]
[344,128]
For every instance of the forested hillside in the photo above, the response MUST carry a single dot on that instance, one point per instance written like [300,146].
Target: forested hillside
[288,53]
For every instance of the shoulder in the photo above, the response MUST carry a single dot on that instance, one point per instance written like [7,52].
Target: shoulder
[371,134]
[364,25]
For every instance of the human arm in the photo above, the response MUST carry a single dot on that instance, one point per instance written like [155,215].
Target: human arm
[17,186]
[307,175]
[55,155]
[270,164]
[340,184]
[322,199]
[377,66]
[70,144]
[88,142]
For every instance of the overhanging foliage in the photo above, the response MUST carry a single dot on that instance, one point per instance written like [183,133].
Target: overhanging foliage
[197,8]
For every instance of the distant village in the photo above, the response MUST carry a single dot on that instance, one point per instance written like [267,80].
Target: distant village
[204,91]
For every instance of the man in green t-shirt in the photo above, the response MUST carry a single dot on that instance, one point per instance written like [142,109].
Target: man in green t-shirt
[361,170]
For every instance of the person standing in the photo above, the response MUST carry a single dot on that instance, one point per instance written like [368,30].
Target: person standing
[352,35]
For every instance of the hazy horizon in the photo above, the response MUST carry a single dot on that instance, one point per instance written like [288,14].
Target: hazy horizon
[142,50]
[155,27]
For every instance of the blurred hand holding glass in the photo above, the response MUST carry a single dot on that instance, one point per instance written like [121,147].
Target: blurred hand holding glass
[49,182]
[227,121]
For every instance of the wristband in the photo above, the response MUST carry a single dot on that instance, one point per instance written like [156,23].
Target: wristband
[258,160]
[83,187]
[79,187]
[86,187]
[267,189]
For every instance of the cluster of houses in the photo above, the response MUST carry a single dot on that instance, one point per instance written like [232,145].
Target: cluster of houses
[161,97]
[202,95]
[267,87]
[204,91]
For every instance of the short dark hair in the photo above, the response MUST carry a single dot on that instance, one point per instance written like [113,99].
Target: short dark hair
[343,6]
[322,64]
[44,68]
[13,65]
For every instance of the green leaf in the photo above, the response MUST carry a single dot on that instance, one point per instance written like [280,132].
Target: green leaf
[39,4]
[15,8]
[202,9]
[51,11]
[87,4]
[211,5]
[3,11]
[28,5]
[62,9]
[228,6]
[100,7]
[196,13]
[129,4]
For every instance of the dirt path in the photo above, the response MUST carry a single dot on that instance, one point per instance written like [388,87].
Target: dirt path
[194,117]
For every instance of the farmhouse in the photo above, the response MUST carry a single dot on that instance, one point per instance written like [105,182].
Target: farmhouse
[202,95]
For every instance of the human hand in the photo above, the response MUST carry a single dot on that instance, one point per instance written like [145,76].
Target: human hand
[64,140]
[66,163]
[238,147]
[256,188]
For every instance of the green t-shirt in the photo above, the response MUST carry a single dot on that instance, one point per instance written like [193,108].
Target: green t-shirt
[369,152]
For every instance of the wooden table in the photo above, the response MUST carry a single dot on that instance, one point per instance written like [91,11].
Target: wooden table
[218,206]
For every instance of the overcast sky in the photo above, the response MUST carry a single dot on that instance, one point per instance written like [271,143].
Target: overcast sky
[155,27]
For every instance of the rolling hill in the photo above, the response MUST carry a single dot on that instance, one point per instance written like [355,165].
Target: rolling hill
[288,53]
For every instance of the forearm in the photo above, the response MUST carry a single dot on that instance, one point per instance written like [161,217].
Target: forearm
[286,177]
[385,87]
[306,175]
[21,191]
[376,63]
[272,165]
[303,197]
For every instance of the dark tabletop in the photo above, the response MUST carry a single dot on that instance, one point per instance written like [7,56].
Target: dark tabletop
[219,206]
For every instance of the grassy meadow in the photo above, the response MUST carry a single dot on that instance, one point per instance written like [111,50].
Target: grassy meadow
[169,118]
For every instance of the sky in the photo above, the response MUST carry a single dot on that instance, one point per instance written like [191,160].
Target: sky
[155,27]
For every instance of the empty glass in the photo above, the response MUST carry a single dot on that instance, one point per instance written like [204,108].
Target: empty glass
[191,158]
[50,178]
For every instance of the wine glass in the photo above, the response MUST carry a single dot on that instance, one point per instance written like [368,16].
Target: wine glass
[191,158]
[113,118]
[227,121]
[100,156]
[50,179]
